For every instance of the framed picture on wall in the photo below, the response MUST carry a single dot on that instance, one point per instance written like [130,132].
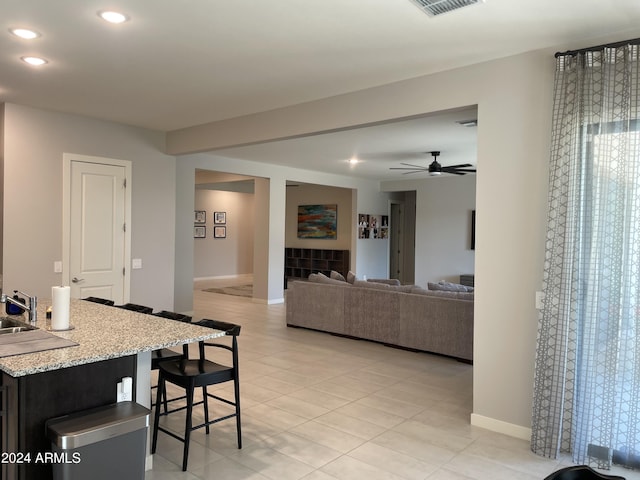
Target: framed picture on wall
[200,216]
[199,231]
[219,232]
[318,221]
[220,218]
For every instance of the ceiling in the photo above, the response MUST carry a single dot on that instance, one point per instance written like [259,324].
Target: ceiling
[180,63]
[376,147]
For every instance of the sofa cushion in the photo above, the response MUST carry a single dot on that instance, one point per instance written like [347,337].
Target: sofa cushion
[388,281]
[322,278]
[443,293]
[351,277]
[401,288]
[337,276]
[449,287]
[371,285]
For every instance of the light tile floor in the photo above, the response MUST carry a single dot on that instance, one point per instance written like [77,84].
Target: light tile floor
[321,407]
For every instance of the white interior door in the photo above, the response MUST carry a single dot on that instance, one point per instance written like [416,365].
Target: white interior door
[98,240]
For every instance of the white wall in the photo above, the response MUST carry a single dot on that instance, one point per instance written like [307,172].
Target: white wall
[269,242]
[232,255]
[443,226]
[34,143]
[514,113]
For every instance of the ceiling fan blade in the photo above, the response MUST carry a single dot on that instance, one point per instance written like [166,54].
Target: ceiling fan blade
[415,166]
[462,165]
[459,171]
[417,169]
[454,172]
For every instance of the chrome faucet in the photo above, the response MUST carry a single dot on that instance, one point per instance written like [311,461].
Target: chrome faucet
[32,307]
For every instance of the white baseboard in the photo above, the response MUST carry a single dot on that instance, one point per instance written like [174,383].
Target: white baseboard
[517,431]
[263,301]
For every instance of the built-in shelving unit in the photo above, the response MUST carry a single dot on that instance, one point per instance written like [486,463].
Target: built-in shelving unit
[468,280]
[301,262]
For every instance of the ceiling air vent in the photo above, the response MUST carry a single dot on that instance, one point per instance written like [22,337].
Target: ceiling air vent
[438,7]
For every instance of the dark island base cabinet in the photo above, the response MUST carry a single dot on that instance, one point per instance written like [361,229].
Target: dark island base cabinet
[29,401]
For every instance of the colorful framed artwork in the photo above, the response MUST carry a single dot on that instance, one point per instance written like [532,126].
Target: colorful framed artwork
[318,221]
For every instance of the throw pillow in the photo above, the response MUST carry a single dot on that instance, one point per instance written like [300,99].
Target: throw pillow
[322,278]
[448,286]
[443,293]
[351,277]
[337,276]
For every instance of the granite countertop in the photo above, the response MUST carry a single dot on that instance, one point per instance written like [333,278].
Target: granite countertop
[102,333]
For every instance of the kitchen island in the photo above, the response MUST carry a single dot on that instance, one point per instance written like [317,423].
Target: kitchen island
[112,343]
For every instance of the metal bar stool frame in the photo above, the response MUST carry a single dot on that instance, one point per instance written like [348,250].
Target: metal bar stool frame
[191,374]
[166,354]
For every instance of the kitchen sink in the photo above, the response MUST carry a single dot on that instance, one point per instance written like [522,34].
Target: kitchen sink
[12,325]
[15,329]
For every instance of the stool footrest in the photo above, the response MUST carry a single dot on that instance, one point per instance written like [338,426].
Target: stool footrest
[170,433]
[211,422]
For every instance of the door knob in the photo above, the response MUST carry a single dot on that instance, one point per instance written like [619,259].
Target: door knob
[76,279]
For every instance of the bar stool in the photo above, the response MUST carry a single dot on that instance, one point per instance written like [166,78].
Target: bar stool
[190,374]
[164,354]
[135,308]
[102,301]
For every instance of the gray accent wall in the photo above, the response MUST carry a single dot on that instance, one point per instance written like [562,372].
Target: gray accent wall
[34,143]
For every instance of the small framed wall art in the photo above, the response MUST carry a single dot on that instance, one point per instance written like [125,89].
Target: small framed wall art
[199,231]
[373,226]
[219,218]
[219,232]
[200,216]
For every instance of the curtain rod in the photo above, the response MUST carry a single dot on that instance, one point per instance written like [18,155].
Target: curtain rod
[598,47]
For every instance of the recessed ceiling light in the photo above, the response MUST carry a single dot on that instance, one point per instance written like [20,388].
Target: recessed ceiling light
[113,17]
[35,61]
[24,33]
[353,160]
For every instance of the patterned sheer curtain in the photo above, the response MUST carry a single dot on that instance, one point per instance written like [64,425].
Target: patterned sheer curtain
[587,373]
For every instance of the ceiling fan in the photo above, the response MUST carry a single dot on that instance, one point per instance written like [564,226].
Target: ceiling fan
[436,169]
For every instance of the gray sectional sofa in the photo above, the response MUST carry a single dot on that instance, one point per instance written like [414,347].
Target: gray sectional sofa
[404,316]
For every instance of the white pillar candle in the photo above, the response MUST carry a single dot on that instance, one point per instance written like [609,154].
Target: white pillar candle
[60,307]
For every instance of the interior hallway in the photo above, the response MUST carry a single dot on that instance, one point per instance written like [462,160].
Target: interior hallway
[320,407]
